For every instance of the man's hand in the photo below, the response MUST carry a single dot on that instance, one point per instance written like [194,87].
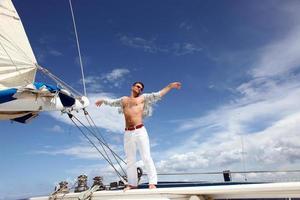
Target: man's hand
[176,85]
[99,103]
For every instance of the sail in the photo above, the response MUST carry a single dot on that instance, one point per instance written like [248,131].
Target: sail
[17,61]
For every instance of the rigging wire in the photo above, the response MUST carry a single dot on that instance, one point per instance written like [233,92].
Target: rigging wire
[94,130]
[103,142]
[78,48]
[243,156]
[71,116]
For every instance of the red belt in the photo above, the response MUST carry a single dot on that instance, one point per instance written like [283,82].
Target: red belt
[131,128]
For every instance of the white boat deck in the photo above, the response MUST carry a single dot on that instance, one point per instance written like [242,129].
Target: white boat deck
[239,191]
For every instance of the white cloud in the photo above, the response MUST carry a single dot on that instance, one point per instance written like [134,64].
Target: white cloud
[185,25]
[57,129]
[279,57]
[267,124]
[138,42]
[46,41]
[55,52]
[181,49]
[276,147]
[116,74]
[151,46]
[257,103]
[85,150]
[82,151]
[116,77]
[93,83]
[261,123]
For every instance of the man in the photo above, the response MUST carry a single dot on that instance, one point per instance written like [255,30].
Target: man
[135,107]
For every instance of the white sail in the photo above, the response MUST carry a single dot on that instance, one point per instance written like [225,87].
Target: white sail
[17,61]
[20,98]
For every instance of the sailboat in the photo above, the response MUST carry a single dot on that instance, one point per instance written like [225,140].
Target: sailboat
[21,99]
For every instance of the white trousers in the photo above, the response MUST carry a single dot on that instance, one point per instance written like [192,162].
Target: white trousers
[133,140]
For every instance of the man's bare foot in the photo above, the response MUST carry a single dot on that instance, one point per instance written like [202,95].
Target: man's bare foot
[152,186]
[129,187]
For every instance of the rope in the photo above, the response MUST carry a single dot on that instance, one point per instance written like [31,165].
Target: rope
[94,125]
[85,135]
[54,194]
[103,142]
[78,48]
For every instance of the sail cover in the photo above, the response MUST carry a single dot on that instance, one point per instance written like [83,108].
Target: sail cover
[17,61]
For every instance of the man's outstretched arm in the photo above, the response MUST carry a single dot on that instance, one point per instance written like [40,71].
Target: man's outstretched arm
[165,90]
[109,102]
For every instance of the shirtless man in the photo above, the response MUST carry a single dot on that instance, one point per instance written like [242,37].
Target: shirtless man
[135,107]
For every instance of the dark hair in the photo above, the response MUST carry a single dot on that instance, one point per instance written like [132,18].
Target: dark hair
[138,82]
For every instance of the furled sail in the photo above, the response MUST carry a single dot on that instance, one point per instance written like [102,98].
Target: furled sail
[17,61]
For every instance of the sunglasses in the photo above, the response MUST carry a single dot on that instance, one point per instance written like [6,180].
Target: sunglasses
[140,87]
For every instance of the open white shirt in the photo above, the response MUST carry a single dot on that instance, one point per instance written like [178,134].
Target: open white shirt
[149,98]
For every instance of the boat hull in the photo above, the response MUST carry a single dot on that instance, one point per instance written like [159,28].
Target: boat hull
[238,191]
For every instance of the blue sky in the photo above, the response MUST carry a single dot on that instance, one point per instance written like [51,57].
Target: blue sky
[238,62]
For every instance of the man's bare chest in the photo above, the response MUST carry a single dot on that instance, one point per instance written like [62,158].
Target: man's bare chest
[130,103]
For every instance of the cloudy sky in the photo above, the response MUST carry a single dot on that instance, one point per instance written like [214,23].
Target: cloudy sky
[238,108]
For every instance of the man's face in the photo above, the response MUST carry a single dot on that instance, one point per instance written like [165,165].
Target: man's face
[137,88]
